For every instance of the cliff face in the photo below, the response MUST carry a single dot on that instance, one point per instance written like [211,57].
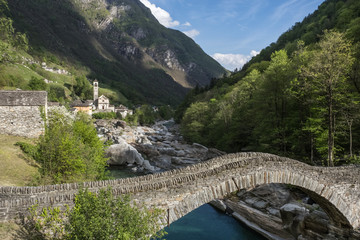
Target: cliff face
[122,44]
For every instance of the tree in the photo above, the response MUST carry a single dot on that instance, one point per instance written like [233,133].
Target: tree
[95,216]
[196,121]
[70,150]
[83,88]
[326,71]
[146,115]
[273,104]
[37,84]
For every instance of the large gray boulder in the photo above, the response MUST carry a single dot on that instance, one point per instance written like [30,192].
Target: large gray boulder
[292,216]
[123,154]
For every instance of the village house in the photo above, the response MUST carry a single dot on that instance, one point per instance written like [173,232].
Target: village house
[22,113]
[124,111]
[82,106]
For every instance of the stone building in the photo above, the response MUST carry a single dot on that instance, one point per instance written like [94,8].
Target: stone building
[82,106]
[22,113]
[124,111]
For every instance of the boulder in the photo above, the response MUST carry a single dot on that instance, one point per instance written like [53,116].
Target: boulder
[317,221]
[123,153]
[260,204]
[218,204]
[292,216]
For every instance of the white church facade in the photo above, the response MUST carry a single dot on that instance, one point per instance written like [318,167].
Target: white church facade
[102,103]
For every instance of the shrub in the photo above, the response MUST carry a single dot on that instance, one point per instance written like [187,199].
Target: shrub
[104,115]
[69,151]
[93,217]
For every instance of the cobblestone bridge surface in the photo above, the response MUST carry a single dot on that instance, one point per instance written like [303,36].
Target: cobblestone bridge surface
[178,192]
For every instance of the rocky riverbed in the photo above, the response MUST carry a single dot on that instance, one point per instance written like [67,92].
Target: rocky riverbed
[151,149]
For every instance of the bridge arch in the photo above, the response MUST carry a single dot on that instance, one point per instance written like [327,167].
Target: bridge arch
[336,190]
[248,182]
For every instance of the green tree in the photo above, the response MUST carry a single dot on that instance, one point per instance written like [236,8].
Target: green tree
[196,121]
[95,216]
[83,88]
[70,150]
[273,106]
[146,115]
[326,72]
[37,84]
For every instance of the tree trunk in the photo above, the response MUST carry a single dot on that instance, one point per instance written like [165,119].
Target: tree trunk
[312,148]
[331,131]
[350,136]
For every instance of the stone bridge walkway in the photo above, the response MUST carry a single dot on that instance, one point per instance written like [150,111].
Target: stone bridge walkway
[336,190]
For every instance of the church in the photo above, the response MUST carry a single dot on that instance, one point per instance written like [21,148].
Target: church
[99,104]
[102,103]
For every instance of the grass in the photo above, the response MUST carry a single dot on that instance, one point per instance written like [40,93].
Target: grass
[15,169]
[7,230]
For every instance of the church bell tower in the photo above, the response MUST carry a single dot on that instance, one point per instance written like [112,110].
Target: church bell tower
[96,89]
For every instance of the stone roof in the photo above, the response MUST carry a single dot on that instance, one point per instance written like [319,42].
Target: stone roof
[81,103]
[122,108]
[50,104]
[23,98]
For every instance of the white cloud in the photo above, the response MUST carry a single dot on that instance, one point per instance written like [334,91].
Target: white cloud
[187,24]
[253,53]
[160,14]
[232,61]
[192,33]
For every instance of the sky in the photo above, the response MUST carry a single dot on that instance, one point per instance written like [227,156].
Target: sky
[231,31]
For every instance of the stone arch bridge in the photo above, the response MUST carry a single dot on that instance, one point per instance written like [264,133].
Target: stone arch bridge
[336,190]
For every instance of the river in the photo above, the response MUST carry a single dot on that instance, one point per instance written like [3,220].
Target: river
[204,223]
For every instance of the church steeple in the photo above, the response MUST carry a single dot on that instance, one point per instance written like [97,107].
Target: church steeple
[96,89]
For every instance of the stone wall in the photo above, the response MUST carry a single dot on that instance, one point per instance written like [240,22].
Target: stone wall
[20,112]
[23,121]
[182,190]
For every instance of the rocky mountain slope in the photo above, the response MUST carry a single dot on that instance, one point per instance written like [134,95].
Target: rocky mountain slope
[119,42]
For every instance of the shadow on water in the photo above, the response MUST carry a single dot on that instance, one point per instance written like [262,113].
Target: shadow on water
[207,223]
[122,172]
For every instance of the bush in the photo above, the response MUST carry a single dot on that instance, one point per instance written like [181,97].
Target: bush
[70,150]
[36,84]
[29,149]
[93,217]
[104,115]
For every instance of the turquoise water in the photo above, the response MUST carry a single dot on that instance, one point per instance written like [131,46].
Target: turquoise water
[207,223]
[204,223]
[122,172]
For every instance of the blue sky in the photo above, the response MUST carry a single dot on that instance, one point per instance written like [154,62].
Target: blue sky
[231,31]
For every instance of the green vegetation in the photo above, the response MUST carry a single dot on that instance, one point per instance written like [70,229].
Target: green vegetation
[298,98]
[104,115]
[144,115]
[93,217]
[147,115]
[16,169]
[69,151]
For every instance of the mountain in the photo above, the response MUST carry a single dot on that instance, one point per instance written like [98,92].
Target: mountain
[119,42]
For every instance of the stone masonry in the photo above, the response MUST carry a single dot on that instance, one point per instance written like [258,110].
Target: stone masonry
[20,112]
[178,192]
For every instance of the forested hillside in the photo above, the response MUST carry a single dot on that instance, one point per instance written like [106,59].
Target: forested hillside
[118,42]
[299,97]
